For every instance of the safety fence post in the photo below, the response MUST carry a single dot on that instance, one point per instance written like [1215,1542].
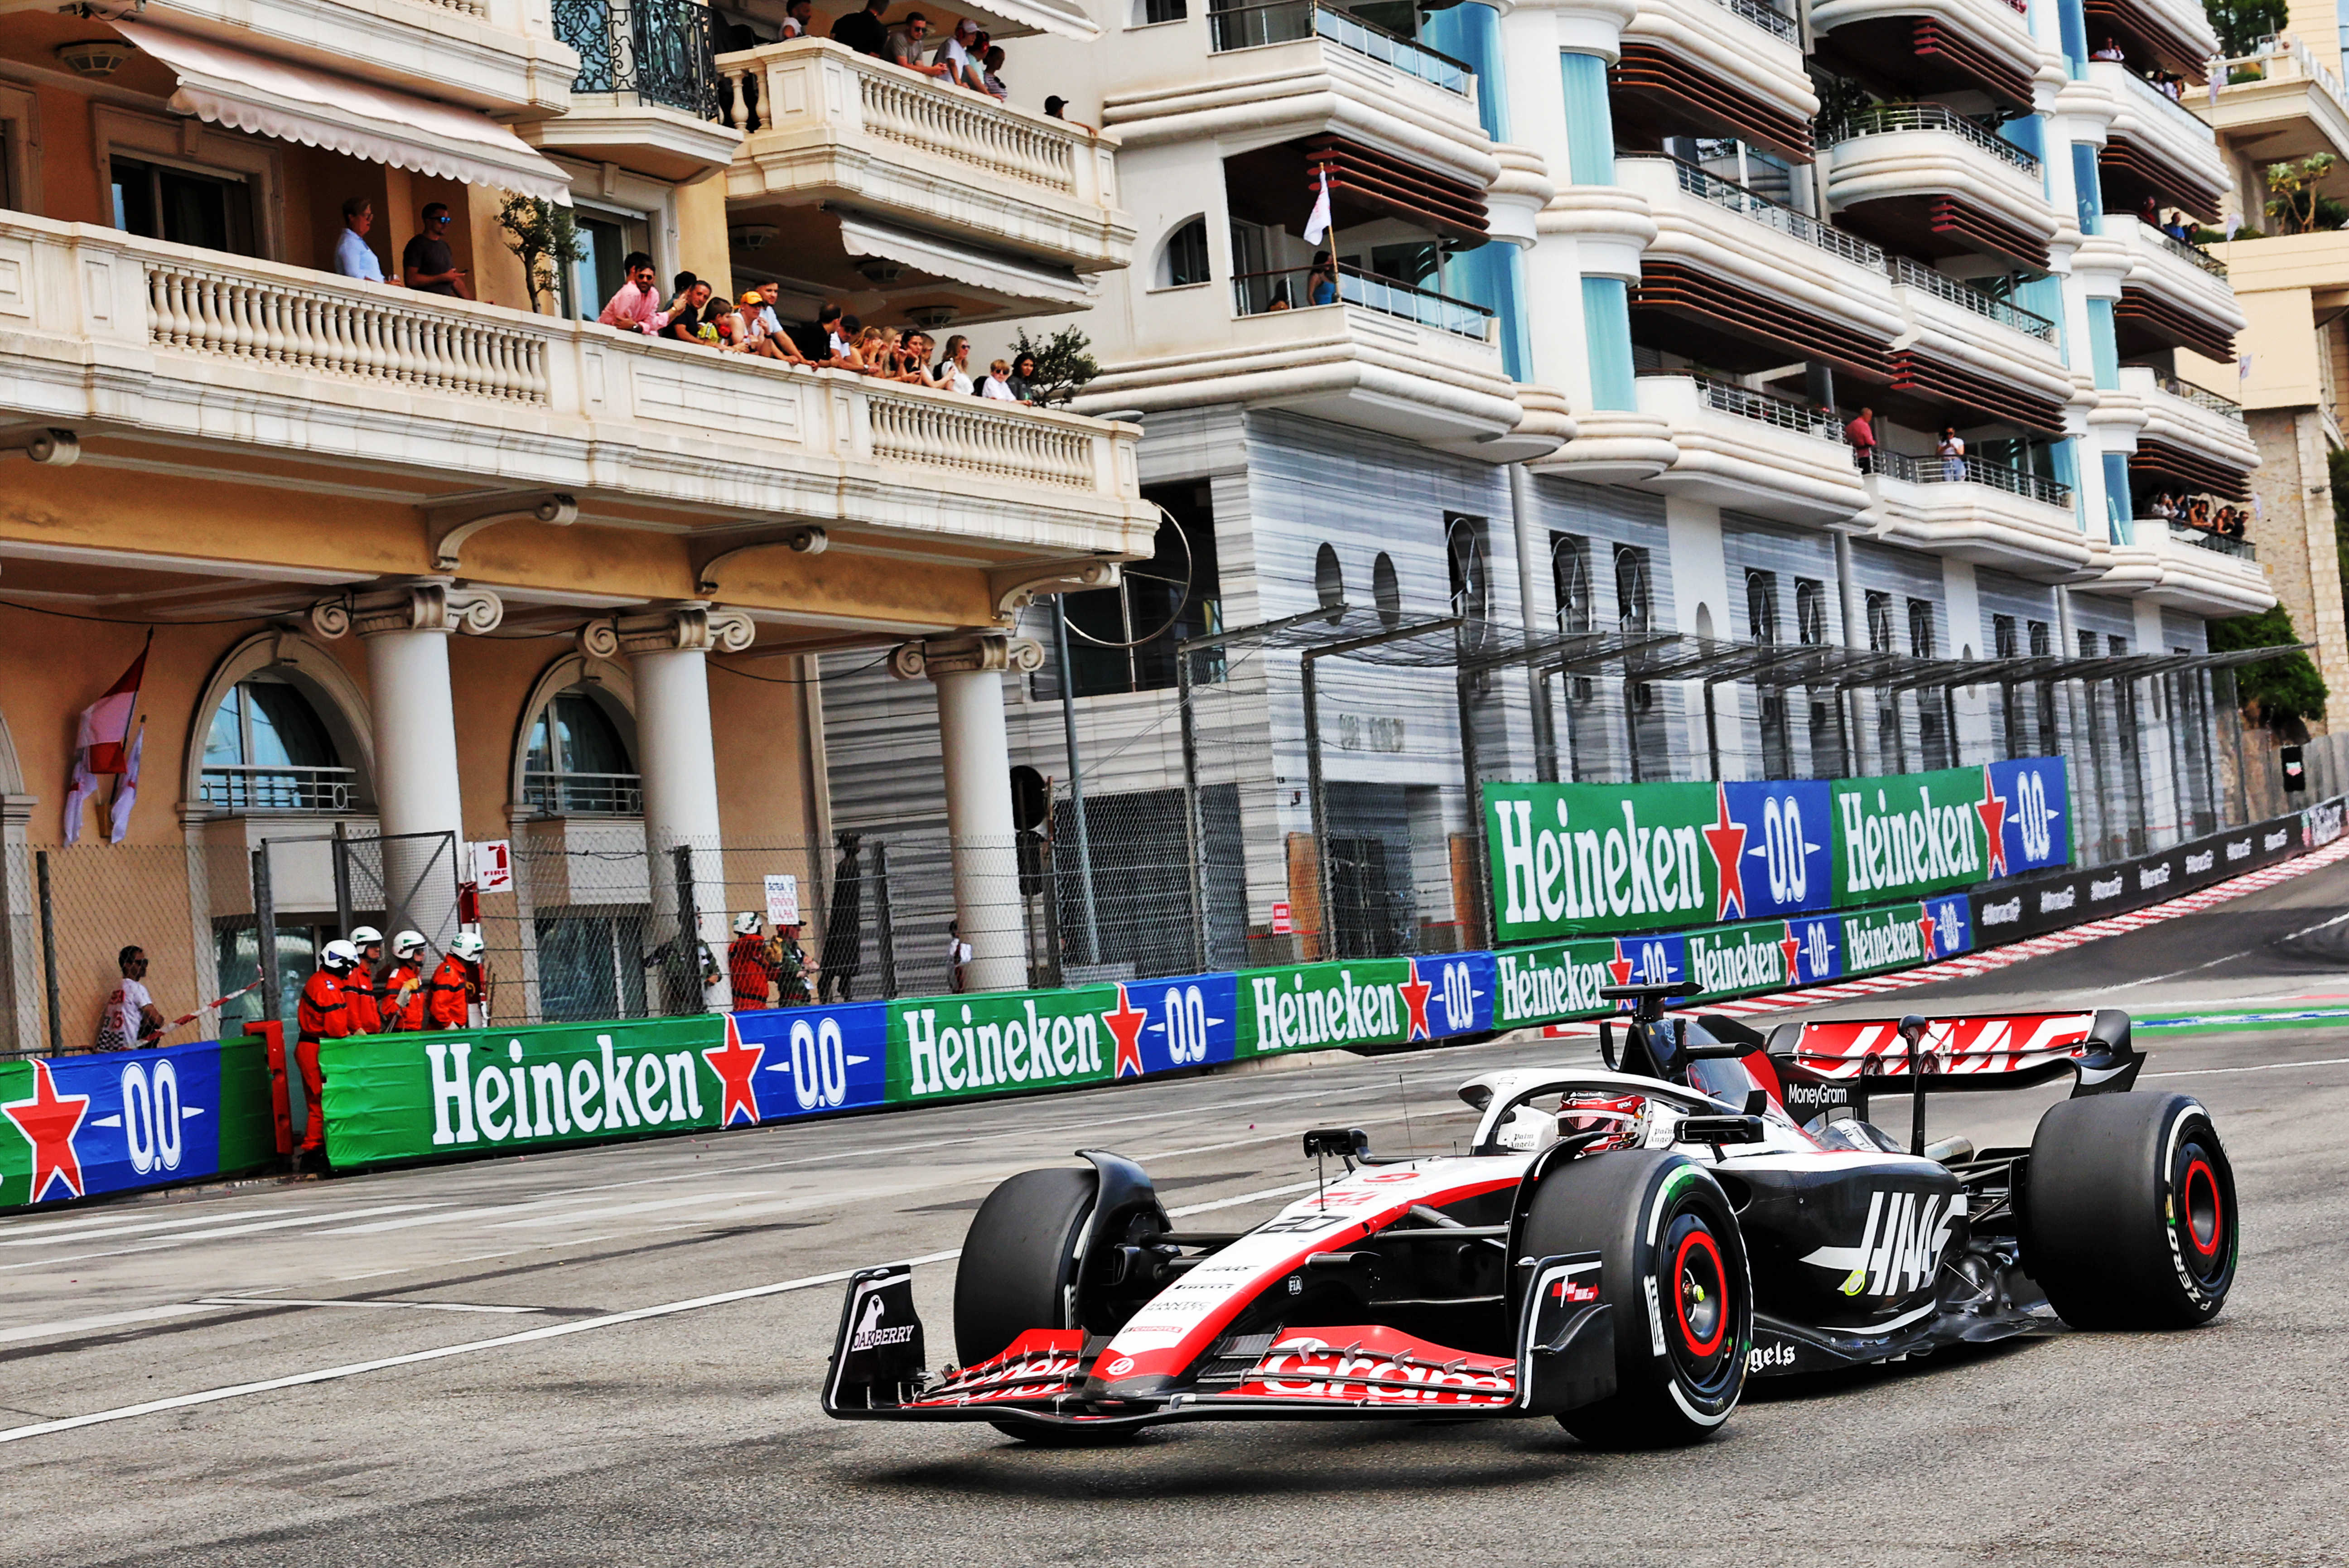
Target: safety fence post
[49,954]
[884,930]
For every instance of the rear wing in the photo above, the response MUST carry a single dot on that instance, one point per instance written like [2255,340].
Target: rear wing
[1845,1061]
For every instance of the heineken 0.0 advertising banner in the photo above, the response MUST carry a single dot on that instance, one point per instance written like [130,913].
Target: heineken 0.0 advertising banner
[1364,1002]
[997,1042]
[1586,859]
[74,1126]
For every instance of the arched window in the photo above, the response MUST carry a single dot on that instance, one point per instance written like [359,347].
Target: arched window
[1386,591]
[1635,606]
[266,749]
[1329,577]
[1761,606]
[577,762]
[1569,571]
[1184,259]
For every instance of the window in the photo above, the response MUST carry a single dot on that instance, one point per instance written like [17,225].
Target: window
[1762,608]
[1184,262]
[591,966]
[1635,606]
[1155,11]
[1607,338]
[1329,577]
[1879,622]
[1570,570]
[266,749]
[2002,639]
[1386,591]
[1811,612]
[1589,120]
[604,241]
[1145,602]
[1468,567]
[1921,628]
[184,206]
[577,763]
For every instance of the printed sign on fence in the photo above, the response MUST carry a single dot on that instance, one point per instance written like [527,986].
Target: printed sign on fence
[74,1127]
[782,899]
[1364,1002]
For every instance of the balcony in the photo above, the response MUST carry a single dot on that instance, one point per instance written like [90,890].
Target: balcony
[2012,372]
[1292,21]
[2190,570]
[1759,453]
[1981,512]
[584,794]
[2173,294]
[1933,47]
[164,353]
[1714,67]
[2175,34]
[866,170]
[1924,178]
[2194,439]
[2289,105]
[646,95]
[2157,148]
[281,791]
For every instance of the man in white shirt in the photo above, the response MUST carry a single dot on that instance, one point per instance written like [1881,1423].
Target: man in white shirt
[796,16]
[957,957]
[953,62]
[131,1019]
[354,257]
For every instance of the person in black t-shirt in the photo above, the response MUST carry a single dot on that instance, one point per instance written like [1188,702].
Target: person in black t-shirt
[429,264]
[863,31]
[689,314]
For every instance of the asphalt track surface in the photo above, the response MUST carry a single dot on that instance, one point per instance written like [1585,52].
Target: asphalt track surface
[541,1379]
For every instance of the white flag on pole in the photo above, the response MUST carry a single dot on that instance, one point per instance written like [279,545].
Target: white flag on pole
[126,793]
[1319,223]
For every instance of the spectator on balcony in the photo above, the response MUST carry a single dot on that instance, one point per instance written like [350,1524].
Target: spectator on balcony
[828,319]
[861,30]
[2164,509]
[637,305]
[2110,50]
[845,331]
[354,257]
[2230,522]
[953,371]
[1024,379]
[997,385]
[991,60]
[763,329]
[905,45]
[680,286]
[1951,449]
[796,17]
[428,263]
[1861,434]
[1322,284]
[1056,107]
[690,314]
[955,62]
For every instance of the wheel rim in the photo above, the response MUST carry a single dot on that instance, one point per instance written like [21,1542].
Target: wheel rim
[2204,1221]
[1700,1298]
[1705,1320]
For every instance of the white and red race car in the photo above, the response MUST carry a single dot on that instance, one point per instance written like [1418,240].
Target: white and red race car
[1620,1248]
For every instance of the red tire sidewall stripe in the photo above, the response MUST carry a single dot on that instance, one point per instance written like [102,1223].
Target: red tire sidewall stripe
[1721,1283]
[2218,1209]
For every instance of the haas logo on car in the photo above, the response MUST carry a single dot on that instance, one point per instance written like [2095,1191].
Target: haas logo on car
[1900,1248]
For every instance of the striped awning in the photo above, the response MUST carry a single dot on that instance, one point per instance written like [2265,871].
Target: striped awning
[1365,177]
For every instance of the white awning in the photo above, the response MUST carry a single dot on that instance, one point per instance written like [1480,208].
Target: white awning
[864,236]
[1018,18]
[294,103]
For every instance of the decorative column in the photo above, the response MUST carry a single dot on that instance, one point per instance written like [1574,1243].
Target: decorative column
[967,669]
[668,649]
[418,797]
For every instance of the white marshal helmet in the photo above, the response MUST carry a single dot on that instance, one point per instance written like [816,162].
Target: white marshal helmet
[365,937]
[467,945]
[745,923]
[407,944]
[339,955]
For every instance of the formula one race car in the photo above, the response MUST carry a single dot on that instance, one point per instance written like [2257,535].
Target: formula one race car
[1620,1249]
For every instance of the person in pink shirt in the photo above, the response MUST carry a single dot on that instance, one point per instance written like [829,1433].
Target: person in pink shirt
[638,304]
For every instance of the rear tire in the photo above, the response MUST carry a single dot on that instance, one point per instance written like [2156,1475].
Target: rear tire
[2128,1217]
[1666,1235]
[1018,1271]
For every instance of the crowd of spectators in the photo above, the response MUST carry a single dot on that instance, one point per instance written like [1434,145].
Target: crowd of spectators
[2200,512]
[964,57]
[836,341]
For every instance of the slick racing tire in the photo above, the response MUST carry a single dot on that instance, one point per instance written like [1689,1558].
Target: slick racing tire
[1673,1267]
[2129,1213]
[1018,1271]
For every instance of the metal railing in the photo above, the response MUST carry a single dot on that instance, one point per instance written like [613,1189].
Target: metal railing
[2279,57]
[1292,21]
[1736,198]
[1972,471]
[2216,544]
[1764,408]
[291,790]
[654,51]
[2194,255]
[1886,119]
[584,794]
[2144,92]
[1965,296]
[1769,18]
[1292,288]
[2199,398]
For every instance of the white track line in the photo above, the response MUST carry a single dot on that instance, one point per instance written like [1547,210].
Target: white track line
[2262,1068]
[102,1319]
[530,1335]
[107,1230]
[412,1307]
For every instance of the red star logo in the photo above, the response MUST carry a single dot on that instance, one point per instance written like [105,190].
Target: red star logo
[1414,997]
[1726,839]
[1125,1025]
[1621,970]
[48,1121]
[1792,946]
[1992,809]
[734,1062]
[1925,927]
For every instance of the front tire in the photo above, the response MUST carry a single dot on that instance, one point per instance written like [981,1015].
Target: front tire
[1673,1267]
[2128,1214]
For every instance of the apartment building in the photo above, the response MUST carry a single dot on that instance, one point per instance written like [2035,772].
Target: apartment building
[2275,108]
[458,569]
[1604,283]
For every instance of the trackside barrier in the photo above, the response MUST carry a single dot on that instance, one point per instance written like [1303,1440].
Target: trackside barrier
[95,1124]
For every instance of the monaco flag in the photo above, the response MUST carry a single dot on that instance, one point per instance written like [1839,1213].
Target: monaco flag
[101,743]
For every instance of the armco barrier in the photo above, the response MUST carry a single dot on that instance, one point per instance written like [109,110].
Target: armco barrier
[144,1118]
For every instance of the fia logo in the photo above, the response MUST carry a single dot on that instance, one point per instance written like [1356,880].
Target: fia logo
[1900,1248]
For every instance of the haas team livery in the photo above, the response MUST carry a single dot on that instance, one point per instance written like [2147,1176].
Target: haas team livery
[1620,1249]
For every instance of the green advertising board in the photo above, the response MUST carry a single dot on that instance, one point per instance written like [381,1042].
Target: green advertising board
[1000,1042]
[1306,1007]
[1891,937]
[1739,960]
[1909,834]
[1593,859]
[421,1096]
[1553,981]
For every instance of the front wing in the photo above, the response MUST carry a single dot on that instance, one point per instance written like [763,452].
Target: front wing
[1566,1358]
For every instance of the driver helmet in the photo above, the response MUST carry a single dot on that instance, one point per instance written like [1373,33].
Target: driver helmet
[745,923]
[1620,1119]
[407,944]
[338,957]
[468,945]
[365,937]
